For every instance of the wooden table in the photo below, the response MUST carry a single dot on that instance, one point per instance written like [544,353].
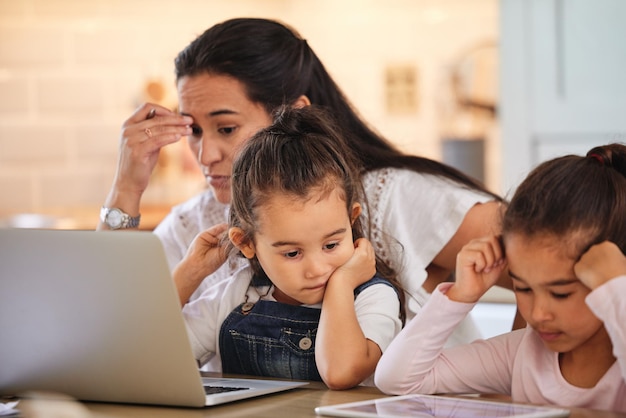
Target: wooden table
[298,402]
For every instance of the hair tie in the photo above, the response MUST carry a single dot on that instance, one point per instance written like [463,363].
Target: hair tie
[597,157]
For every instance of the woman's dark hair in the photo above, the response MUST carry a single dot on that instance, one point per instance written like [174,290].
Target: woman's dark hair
[303,151]
[578,195]
[277,66]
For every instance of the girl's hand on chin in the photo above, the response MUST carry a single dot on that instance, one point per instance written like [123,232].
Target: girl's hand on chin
[360,267]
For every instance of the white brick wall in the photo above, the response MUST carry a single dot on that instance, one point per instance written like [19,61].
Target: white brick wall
[71,71]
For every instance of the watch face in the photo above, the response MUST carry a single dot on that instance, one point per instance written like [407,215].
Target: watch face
[114,218]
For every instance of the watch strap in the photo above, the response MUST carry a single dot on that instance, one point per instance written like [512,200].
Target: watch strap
[126,220]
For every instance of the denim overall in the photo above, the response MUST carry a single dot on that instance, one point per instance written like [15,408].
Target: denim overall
[273,339]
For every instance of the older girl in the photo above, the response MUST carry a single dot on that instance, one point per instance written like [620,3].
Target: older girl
[564,235]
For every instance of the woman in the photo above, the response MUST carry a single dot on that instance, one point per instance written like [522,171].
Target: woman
[229,80]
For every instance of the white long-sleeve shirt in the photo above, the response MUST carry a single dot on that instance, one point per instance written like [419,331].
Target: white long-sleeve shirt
[515,363]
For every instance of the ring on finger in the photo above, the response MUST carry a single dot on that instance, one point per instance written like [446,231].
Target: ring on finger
[148,132]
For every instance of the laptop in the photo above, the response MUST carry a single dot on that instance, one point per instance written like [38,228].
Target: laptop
[437,406]
[95,315]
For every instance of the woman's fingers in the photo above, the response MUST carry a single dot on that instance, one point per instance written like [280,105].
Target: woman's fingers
[147,111]
[154,122]
[144,133]
[162,130]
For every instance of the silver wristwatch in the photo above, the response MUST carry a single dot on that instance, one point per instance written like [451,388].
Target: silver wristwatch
[116,219]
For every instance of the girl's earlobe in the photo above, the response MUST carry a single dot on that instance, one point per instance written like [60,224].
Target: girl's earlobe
[356,212]
[239,240]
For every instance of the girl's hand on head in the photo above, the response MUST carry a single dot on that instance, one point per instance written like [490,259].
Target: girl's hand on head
[361,266]
[478,267]
[143,135]
[601,263]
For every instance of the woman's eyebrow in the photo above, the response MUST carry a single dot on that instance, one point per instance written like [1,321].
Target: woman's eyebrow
[215,113]
[222,112]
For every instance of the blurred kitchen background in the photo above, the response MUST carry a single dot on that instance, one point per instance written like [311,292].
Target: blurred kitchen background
[489,86]
[71,72]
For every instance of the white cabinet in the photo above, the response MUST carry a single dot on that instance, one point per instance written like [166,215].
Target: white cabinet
[562,80]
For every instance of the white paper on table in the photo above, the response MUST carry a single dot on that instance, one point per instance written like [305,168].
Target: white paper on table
[8,408]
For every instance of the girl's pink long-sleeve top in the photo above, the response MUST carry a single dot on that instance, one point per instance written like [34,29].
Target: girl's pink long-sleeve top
[516,363]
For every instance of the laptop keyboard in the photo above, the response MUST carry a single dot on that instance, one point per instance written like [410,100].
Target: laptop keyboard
[209,390]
